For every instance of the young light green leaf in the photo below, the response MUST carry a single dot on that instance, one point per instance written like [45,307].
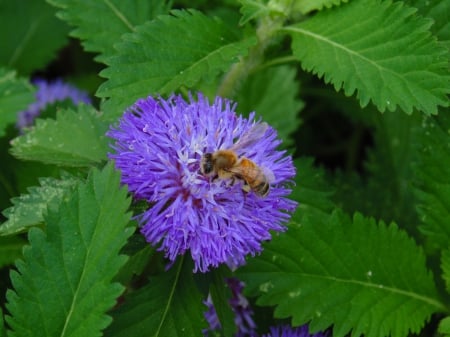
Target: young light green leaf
[251,9]
[155,59]
[29,209]
[100,24]
[73,139]
[15,95]
[353,273]
[31,35]
[261,93]
[63,286]
[378,48]
[306,6]
[432,185]
[170,305]
[444,326]
[10,249]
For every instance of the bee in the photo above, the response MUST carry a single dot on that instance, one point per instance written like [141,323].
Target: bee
[226,164]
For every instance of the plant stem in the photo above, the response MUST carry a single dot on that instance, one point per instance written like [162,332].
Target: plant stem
[239,71]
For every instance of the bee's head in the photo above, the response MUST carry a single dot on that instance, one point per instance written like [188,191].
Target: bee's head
[207,164]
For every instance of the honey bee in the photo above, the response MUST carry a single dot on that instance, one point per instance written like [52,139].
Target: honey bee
[226,164]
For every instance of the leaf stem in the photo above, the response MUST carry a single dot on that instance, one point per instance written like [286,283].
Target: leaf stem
[275,62]
[267,28]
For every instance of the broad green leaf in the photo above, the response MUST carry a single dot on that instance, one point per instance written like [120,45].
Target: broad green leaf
[10,250]
[63,285]
[30,36]
[29,209]
[306,6]
[100,24]
[354,274]
[379,49]
[73,139]
[432,184]
[168,53]
[15,95]
[170,305]
[261,93]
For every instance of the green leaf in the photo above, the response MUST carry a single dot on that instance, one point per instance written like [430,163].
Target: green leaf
[155,60]
[135,264]
[444,326]
[384,191]
[439,11]
[353,273]
[10,250]
[432,186]
[30,36]
[15,95]
[312,192]
[445,265]
[29,209]
[100,24]
[378,48]
[306,6]
[73,139]
[170,305]
[221,295]
[63,286]
[251,9]
[2,324]
[261,93]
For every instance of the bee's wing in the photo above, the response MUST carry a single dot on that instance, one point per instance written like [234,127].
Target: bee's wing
[250,137]
[242,172]
[269,175]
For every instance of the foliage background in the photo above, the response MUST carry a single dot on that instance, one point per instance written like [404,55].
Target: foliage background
[358,91]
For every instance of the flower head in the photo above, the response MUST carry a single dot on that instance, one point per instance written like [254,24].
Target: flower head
[159,146]
[288,331]
[48,93]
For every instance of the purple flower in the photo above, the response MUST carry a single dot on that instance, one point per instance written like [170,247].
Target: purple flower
[288,331]
[48,93]
[241,308]
[211,316]
[159,146]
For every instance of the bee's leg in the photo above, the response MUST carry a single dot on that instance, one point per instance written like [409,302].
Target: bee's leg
[246,187]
